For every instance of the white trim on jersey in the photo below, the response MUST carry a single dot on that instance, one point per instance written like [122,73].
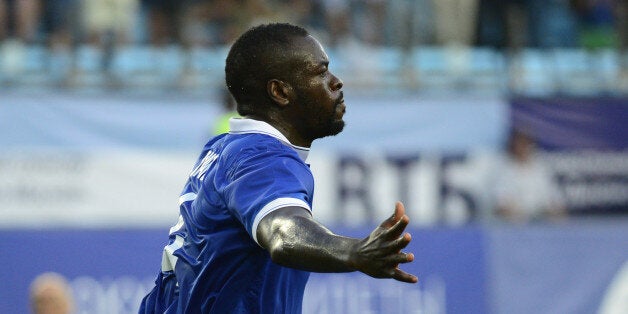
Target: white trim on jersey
[187,197]
[274,205]
[241,126]
[169,260]
[182,199]
[177,226]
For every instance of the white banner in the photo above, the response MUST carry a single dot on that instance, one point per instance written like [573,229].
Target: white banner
[135,188]
[121,160]
[79,189]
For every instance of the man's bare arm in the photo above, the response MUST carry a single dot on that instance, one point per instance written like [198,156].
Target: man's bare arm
[294,239]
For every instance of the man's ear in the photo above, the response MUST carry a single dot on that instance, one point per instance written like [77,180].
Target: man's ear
[279,91]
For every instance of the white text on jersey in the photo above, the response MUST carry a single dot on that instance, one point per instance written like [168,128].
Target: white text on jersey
[200,170]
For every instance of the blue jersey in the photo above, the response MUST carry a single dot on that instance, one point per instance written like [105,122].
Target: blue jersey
[213,263]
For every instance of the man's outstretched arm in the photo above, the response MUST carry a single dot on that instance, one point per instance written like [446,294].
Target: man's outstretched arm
[294,239]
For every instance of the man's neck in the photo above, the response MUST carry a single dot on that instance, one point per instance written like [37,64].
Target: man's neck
[284,128]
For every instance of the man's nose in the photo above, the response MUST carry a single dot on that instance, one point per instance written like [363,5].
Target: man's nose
[336,83]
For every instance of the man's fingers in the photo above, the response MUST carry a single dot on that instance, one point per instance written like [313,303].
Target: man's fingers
[399,212]
[395,246]
[393,260]
[397,229]
[390,231]
[403,241]
[401,275]
[399,258]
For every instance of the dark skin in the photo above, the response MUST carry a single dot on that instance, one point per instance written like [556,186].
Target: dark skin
[294,239]
[308,104]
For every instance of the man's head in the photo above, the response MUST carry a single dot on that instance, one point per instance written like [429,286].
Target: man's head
[50,293]
[521,145]
[279,73]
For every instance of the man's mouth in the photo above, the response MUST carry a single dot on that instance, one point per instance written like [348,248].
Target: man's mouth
[341,107]
[341,102]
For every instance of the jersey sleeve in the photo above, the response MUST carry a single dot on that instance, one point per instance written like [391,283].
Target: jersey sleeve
[265,180]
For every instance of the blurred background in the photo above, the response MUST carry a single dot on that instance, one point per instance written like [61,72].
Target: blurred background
[502,126]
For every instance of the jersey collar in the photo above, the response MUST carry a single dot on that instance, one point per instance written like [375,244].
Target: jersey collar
[243,125]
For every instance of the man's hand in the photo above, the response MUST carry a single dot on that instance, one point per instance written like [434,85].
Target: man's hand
[295,240]
[379,255]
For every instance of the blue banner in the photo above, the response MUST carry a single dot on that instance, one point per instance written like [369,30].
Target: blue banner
[111,270]
[573,123]
[571,268]
[588,143]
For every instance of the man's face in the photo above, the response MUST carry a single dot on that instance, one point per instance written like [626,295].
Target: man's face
[318,97]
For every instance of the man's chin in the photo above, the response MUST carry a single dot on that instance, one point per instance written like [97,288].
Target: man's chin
[339,127]
[336,128]
[333,129]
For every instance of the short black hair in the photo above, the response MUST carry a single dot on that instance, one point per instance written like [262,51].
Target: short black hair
[254,59]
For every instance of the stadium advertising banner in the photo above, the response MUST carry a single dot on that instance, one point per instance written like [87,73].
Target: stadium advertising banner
[111,270]
[564,268]
[122,161]
[586,140]
[573,268]
[89,188]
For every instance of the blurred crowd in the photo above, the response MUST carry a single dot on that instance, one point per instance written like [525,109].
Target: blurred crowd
[505,25]
[498,23]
